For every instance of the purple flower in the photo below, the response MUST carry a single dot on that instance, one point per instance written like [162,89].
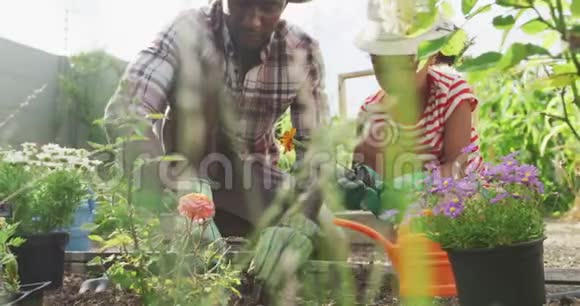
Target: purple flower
[539,186]
[442,185]
[434,174]
[467,186]
[528,175]
[527,171]
[453,208]
[504,195]
[472,167]
[505,172]
[499,197]
[469,148]
[510,159]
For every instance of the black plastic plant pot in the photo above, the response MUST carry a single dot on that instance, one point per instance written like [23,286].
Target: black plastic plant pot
[504,276]
[29,295]
[41,259]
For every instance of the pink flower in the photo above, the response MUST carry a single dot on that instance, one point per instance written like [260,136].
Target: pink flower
[196,207]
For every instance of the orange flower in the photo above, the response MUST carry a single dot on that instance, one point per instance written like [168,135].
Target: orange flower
[287,140]
[427,212]
[196,207]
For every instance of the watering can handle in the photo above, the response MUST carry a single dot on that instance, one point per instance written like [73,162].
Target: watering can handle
[367,231]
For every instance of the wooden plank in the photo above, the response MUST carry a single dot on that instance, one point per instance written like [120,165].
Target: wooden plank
[76,268]
[562,276]
[342,103]
[356,74]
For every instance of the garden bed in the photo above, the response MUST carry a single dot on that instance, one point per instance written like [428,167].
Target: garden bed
[68,294]
[375,285]
[561,261]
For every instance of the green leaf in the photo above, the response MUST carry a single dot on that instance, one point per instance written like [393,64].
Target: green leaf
[16,242]
[172,158]
[483,62]
[557,80]
[447,9]
[550,38]
[422,23]
[118,240]
[575,8]
[96,238]
[430,47]
[509,29]
[97,261]
[534,26]
[519,52]
[467,6]
[99,122]
[155,116]
[483,9]
[564,68]
[422,64]
[96,146]
[89,227]
[455,44]
[553,132]
[515,3]
[138,138]
[504,22]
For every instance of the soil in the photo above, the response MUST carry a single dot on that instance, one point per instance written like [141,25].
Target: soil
[68,295]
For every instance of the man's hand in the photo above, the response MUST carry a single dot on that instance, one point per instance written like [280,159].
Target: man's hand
[282,249]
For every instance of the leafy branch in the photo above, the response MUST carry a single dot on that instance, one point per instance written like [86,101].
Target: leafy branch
[542,19]
[566,116]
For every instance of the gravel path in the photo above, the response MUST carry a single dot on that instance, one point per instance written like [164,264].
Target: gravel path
[562,247]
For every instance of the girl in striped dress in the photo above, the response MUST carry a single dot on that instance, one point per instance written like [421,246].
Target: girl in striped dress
[441,133]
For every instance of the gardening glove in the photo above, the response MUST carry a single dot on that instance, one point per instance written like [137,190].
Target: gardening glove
[282,249]
[360,188]
[364,189]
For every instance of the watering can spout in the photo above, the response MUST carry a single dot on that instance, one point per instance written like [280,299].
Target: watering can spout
[390,247]
[433,258]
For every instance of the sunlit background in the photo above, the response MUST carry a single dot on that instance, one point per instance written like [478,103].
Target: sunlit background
[66,27]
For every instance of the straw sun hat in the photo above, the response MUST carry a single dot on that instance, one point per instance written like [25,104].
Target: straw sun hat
[384,33]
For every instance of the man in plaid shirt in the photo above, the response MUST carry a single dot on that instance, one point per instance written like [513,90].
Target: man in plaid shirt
[267,66]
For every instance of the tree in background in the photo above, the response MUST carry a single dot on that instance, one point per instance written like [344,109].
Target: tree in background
[85,88]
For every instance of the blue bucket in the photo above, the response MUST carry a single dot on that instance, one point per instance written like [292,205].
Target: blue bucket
[79,238]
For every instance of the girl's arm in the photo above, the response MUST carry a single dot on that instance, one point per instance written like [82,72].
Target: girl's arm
[457,136]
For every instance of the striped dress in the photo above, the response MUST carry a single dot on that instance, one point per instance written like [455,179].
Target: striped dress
[447,91]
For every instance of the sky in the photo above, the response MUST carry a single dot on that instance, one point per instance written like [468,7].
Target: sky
[123,27]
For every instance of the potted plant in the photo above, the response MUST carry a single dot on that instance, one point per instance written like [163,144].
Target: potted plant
[43,186]
[11,291]
[491,225]
[9,282]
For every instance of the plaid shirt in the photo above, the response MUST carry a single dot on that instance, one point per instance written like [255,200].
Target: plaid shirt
[196,46]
